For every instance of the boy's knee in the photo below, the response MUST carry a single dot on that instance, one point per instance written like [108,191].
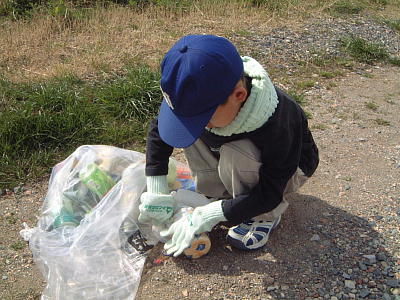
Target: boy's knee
[240,155]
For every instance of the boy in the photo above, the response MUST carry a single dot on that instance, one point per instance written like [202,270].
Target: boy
[246,142]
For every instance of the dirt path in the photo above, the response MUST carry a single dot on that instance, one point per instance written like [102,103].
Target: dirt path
[350,208]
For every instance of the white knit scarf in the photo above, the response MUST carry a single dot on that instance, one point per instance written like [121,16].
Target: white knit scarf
[259,106]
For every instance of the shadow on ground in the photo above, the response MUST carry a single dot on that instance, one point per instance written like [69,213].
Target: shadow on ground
[310,253]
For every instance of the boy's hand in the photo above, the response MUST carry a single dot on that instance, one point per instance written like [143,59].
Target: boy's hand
[182,231]
[156,208]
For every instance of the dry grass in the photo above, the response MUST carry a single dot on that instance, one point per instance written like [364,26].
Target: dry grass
[46,46]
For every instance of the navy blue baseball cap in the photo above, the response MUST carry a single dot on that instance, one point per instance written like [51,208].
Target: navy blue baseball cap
[197,75]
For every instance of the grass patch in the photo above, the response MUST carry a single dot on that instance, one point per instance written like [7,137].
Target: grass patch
[18,245]
[298,97]
[364,51]
[393,23]
[371,105]
[41,122]
[331,74]
[331,85]
[382,122]
[319,126]
[394,61]
[305,84]
[346,8]
[11,219]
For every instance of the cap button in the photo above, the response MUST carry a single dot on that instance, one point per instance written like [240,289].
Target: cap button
[183,49]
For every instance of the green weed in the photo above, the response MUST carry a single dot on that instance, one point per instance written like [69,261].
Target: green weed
[11,219]
[298,97]
[346,7]
[394,61]
[364,51]
[394,24]
[319,126]
[331,74]
[382,122]
[306,84]
[19,245]
[331,85]
[273,4]
[371,105]
[368,75]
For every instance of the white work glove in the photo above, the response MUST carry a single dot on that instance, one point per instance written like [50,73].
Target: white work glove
[183,231]
[157,204]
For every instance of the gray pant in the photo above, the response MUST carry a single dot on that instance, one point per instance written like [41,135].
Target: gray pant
[235,173]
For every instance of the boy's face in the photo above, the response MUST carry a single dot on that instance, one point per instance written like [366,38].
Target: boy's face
[227,111]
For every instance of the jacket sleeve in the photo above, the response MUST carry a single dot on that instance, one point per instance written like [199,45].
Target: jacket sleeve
[157,152]
[280,158]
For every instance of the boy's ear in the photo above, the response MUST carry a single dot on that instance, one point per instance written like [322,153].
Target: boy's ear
[240,94]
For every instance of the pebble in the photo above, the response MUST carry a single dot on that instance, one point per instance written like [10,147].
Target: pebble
[4,277]
[346,276]
[364,293]
[386,296]
[350,284]
[225,268]
[371,224]
[315,238]
[393,283]
[371,258]
[271,288]
[362,266]
[381,257]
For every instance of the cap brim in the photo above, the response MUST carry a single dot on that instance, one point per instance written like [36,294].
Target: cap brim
[178,131]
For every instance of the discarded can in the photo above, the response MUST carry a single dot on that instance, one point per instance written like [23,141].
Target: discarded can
[96,180]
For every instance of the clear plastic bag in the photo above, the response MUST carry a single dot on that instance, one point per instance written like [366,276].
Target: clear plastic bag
[87,243]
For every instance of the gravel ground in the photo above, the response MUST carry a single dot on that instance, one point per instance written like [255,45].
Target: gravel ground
[339,238]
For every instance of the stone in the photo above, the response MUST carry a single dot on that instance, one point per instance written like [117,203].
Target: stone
[362,266]
[371,258]
[350,284]
[225,268]
[315,238]
[364,293]
[393,283]
[346,276]
[271,288]
[381,257]
[386,296]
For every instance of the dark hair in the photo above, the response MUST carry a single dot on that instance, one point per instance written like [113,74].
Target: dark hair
[247,83]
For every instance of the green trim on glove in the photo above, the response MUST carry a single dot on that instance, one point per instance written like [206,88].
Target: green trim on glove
[183,231]
[156,208]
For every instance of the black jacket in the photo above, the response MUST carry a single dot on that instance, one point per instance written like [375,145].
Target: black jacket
[285,143]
